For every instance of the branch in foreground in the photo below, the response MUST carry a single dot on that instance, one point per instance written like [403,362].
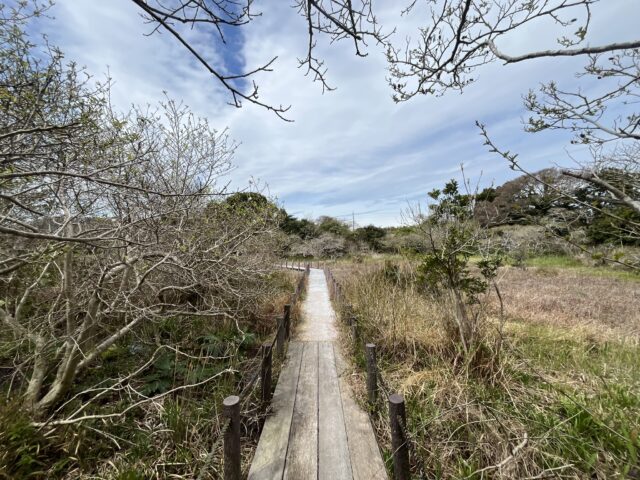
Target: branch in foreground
[131,407]
[591,177]
[573,52]
[236,94]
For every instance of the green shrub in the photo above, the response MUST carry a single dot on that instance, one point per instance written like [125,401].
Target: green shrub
[25,451]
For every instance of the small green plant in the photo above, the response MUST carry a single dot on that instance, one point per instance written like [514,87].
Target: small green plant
[130,473]
[25,452]
[598,258]
[618,255]
[176,420]
[454,237]
[160,377]
[391,271]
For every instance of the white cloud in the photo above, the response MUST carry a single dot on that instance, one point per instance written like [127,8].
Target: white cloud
[349,150]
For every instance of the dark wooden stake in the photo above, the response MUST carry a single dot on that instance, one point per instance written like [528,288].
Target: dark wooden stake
[265,374]
[372,373]
[353,322]
[231,410]
[398,419]
[280,338]
[347,312]
[287,321]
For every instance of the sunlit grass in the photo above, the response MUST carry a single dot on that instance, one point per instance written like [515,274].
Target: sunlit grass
[568,262]
[566,392]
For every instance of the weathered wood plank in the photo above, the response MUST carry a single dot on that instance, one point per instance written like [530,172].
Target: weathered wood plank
[302,455]
[269,460]
[317,429]
[333,451]
[366,461]
[318,317]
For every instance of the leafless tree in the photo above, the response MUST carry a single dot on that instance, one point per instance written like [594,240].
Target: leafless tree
[617,173]
[466,34]
[109,222]
[613,179]
[462,35]
[352,20]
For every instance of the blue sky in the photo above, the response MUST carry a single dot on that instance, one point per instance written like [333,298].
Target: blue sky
[350,150]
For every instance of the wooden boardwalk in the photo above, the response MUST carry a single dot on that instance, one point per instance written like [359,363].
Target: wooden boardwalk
[316,430]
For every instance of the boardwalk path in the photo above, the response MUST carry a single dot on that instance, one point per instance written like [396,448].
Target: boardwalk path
[316,431]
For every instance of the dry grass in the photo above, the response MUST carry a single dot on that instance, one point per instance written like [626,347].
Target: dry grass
[569,298]
[176,436]
[564,402]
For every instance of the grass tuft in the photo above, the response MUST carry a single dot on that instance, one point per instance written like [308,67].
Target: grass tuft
[562,402]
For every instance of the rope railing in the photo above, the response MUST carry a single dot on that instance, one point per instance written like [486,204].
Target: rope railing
[234,406]
[403,446]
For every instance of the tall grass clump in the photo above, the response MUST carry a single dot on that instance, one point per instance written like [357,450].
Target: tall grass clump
[558,404]
[488,395]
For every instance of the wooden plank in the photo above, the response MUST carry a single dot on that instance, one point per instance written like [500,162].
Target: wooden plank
[302,455]
[269,460]
[333,451]
[318,318]
[366,461]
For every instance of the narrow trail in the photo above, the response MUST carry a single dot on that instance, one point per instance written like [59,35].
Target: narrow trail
[316,429]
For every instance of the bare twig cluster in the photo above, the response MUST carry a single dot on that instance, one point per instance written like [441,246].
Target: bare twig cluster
[110,222]
[335,19]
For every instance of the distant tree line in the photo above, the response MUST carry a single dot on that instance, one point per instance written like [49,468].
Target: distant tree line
[564,206]
[111,224]
[330,237]
[565,203]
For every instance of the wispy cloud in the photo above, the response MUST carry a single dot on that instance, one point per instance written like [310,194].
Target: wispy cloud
[351,150]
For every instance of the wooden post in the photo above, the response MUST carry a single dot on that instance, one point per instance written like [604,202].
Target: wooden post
[350,319]
[347,312]
[398,419]
[231,410]
[280,338]
[265,374]
[372,373]
[354,330]
[287,321]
